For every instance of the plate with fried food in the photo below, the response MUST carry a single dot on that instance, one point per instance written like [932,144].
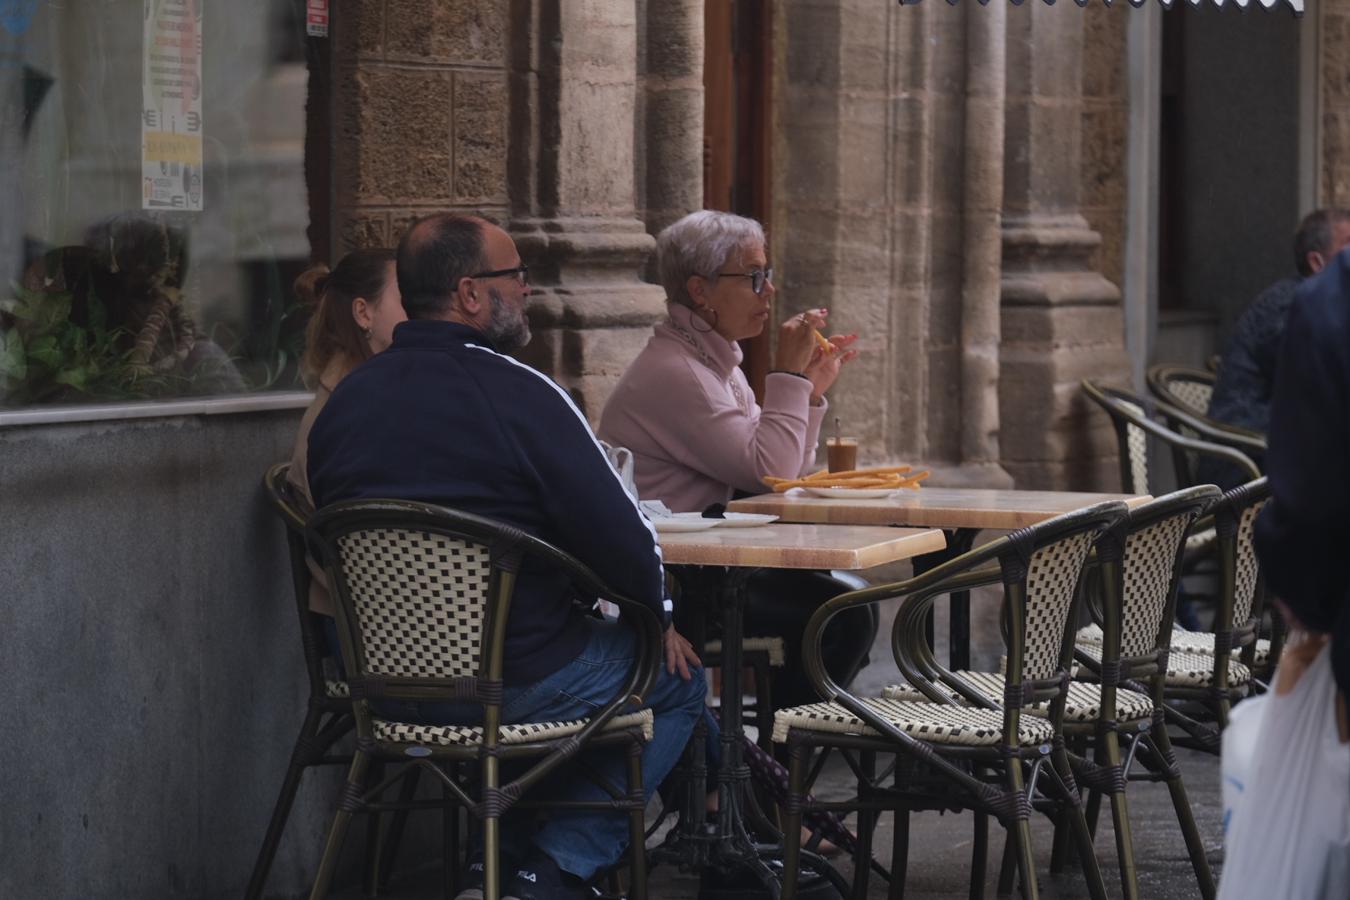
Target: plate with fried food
[855,484]
[848,493]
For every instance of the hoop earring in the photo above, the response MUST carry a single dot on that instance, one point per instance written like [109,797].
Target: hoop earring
[712,326]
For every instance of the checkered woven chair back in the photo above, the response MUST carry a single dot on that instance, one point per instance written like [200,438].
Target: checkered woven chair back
[1052,577]
[1193,396]
[1190,389]
[1236,514]
[1126,411]
[1154,539]
[425,590]
[1135,453]
[420,599]
[1048,559]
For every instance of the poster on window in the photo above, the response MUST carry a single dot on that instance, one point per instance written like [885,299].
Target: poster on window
[316,18]
[171,114]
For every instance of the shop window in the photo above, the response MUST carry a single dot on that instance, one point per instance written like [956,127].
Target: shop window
[155,208]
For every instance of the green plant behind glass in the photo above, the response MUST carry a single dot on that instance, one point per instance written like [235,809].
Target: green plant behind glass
[45,357]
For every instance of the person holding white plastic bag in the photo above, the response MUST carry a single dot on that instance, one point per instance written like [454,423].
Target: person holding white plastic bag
[1289,831]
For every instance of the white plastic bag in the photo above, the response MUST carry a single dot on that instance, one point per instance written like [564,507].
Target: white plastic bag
[1289,831]
[1240,740]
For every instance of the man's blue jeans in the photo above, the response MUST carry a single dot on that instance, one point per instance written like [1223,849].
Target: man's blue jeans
[583,842]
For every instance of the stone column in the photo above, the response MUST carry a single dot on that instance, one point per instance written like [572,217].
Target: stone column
[670,165]
[981,216]
[1061,319]
[572,197]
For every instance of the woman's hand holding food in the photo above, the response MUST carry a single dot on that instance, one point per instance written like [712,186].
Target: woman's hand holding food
[825,365]
[797,345]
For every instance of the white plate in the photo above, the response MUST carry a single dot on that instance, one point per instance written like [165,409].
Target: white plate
[684,522]
[745,520]
[842,493]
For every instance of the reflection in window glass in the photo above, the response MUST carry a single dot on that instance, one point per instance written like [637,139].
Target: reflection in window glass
[115,286]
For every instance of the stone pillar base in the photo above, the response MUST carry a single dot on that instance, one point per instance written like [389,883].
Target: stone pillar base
[589,313]
[1061,323]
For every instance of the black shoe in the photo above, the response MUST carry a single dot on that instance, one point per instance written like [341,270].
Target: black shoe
[539,878]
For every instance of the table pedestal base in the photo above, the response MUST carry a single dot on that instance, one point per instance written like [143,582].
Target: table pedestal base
[731,857]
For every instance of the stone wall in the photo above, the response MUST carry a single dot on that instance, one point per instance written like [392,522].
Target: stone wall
[1335,105]
[420,113]
[865,219]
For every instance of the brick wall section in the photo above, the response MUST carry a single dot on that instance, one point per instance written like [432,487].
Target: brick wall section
[1105,133]
[421,113]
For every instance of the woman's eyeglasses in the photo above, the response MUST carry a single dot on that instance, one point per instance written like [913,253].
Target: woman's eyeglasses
[520,273]
[758,277]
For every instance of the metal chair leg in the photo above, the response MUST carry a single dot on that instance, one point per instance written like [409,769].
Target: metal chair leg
[393,836]
[792,820]
[1120,820]
[1020,834]
[449,842]
[281,812]
[637,851]
[979,855]
[356,779]
[1078,825]
[1195,846]
[862,872]
[1007,867]
[375,831]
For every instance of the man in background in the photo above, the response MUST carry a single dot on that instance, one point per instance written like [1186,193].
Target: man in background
[1247,375]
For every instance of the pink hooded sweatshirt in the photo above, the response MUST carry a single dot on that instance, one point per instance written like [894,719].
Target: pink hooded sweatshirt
[687,413]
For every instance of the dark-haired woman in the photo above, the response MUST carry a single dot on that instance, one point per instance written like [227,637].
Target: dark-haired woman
[356,306]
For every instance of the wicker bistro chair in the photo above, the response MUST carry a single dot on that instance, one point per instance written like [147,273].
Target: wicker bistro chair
[1201,687]
[328,717]
[952,756]
[1186,393]
[423,594]
[1182,386]
[1133,605]
[1134,418]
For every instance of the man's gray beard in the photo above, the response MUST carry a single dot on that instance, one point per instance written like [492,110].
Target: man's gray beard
[508,332]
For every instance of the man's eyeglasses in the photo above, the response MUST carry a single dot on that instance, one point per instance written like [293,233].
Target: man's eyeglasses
[520,273]
[758,277]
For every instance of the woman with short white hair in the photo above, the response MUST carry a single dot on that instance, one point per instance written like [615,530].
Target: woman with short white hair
[685,410]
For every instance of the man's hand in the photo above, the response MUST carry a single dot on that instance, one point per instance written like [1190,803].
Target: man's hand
[679,653]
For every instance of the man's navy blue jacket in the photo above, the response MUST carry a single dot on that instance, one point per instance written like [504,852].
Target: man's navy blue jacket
[1303,535]
[441,417]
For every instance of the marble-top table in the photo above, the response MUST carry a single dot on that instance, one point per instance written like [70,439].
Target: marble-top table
[963,512]
[780,546]
[930,507]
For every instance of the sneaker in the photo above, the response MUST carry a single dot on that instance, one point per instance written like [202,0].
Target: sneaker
[471,882]
[539,878]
